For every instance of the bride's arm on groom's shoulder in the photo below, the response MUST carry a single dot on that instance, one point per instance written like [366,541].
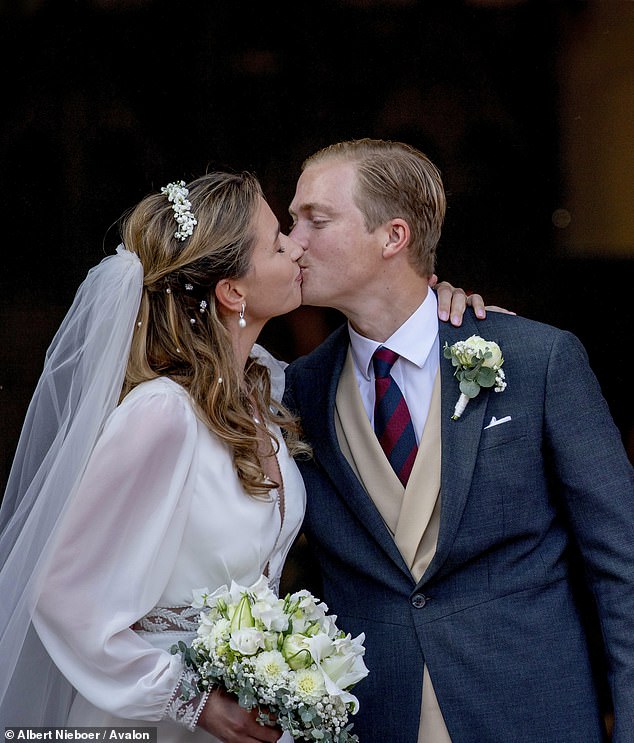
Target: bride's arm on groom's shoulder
[453,302]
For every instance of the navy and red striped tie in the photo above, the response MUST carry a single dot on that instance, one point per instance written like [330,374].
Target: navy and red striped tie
[392,420]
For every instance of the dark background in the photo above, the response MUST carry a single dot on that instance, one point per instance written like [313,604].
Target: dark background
[524,105]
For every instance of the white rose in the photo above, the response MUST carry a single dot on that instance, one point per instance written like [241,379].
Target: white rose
[247,641]
[479,344]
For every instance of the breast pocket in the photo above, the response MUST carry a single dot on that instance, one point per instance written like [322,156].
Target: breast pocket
[502,429]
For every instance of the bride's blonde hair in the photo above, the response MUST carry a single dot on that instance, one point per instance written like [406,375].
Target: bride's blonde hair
[179,332]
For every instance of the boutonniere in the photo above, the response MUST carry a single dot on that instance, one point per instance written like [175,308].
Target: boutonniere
[478,364]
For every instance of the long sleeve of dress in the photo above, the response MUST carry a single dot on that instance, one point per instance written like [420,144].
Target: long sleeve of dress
[115,553]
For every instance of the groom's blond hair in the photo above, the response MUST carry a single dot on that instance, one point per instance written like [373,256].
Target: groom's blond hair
[395,180]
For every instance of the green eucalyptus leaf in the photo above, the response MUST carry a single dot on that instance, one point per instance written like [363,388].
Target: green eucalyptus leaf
[486,377]
[470,389]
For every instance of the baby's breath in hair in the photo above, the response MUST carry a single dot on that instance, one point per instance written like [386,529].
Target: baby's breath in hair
[177,194]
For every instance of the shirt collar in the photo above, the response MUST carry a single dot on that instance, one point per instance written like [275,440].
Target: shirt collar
[413,340]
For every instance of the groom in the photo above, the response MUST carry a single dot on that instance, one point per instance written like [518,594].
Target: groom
[456,559]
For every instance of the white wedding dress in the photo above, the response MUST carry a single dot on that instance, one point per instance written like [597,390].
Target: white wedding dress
[160,512]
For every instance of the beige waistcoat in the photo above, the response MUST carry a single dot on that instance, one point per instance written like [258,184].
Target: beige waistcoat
[412,514]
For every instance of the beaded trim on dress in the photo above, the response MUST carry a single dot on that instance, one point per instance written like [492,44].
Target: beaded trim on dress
[169,619]
[185,705]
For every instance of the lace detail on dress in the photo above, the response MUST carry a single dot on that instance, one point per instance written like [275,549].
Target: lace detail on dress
[186,703]
[166,619]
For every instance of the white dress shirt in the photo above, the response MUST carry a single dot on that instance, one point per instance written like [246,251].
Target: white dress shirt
[416,343]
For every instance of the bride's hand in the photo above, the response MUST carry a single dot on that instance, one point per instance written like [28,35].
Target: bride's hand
[453,302]
[223,717]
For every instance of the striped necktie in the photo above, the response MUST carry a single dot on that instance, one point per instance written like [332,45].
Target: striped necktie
[392,421]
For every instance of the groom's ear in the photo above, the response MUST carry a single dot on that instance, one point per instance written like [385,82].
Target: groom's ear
[230,295]
[397,237]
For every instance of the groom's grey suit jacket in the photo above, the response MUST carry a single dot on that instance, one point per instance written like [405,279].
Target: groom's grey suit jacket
[494,617]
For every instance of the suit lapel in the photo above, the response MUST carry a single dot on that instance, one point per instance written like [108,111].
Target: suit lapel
[460,442]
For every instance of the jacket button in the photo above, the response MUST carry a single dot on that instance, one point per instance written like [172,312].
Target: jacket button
[418,600]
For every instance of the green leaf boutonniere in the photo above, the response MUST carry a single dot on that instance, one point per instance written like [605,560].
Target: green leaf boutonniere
[478,364]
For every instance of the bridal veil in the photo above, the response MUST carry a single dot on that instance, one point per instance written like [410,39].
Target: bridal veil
[79,387]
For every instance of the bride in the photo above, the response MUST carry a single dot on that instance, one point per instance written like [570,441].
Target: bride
[155,458]
[115,512]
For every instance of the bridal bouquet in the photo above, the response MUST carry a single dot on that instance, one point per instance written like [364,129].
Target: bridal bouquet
[284,656]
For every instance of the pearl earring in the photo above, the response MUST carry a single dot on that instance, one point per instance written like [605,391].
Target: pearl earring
[242,323]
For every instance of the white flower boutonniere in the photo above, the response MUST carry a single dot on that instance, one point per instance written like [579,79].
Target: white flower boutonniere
[478,364]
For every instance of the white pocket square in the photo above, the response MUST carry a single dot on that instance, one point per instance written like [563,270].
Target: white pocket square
[496,422]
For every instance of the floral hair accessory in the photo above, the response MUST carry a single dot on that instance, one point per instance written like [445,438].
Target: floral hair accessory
[177,194]
[478,364]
